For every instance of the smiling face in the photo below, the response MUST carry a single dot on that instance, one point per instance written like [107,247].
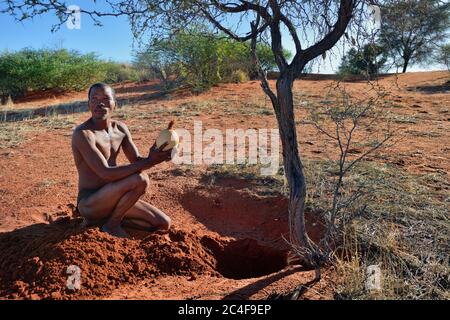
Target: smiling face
[101,102]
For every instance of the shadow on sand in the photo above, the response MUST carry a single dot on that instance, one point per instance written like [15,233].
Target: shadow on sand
[73,107]
[443,88]
[246,292]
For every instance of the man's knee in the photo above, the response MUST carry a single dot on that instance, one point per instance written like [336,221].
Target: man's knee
[142,182]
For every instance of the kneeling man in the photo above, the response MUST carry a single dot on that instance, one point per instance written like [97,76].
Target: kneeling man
[109,194]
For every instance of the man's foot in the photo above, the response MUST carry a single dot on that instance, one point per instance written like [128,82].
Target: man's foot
[115,231]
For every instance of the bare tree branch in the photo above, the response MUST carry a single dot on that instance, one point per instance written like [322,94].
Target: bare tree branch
[344,16]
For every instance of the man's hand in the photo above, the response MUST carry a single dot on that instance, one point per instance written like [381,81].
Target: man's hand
[157,155]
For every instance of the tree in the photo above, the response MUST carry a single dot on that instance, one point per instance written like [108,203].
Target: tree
[370,60]
[412,29]
[200,58]
[190,56]
[443,55]
[315,26]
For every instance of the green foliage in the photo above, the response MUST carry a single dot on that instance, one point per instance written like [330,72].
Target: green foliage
[370,60]
[201,59]
[35,70]
[443,55]
[411,30]
[238,76]
[120,72]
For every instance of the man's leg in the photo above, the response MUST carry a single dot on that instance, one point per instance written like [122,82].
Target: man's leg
[114,224]
[112,202]
[146,217]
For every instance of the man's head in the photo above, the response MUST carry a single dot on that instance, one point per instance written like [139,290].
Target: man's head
[102,101]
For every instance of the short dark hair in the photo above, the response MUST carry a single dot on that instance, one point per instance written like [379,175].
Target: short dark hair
[101,85]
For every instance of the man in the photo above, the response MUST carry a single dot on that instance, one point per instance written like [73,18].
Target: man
[109,194]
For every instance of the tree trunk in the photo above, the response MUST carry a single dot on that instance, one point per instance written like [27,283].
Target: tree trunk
[292,164]
[405,64]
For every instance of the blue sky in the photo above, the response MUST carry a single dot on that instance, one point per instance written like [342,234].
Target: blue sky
[113,40]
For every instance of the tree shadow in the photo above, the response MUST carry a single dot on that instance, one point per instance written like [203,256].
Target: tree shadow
[355,78]
[52,110]
[72,107]
[140,88]
[246,292]
[442,88]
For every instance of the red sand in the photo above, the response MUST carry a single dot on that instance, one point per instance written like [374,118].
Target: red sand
[35,259]
[199,258]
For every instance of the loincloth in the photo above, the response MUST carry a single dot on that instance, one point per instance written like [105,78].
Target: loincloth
[85,193]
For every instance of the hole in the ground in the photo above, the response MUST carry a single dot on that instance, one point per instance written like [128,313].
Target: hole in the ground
[32,258]
[240,214]
[245,258]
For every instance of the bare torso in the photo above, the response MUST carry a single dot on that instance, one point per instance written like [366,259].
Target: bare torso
[108,142]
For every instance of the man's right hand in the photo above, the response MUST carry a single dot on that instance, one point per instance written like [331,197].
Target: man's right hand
[157,155]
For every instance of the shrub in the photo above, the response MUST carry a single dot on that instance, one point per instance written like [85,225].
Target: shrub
[443,55]
[120,72]
[201,59]
[238,76]
[368,60]
[36,70]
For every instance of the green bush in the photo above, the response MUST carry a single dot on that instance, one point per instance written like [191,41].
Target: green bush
[443,55]
[201,59]
[36,70]
[366,61]
[120,72]
[238,76]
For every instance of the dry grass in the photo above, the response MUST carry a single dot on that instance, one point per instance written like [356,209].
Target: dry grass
[257,184]
[430,134]
[400,225]
[12,134]
[404,229]
[55,122]
[44,185]
[195,107]
[14,131]
[186,109]
[403,119]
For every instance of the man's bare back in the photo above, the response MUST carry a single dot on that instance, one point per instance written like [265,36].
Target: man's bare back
[109,194]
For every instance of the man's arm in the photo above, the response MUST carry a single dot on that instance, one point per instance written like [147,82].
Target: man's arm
[128,146]
[84,142]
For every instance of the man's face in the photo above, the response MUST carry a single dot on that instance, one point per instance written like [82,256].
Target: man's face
[101,103]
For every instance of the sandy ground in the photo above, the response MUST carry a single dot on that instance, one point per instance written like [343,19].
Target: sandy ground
[38,184]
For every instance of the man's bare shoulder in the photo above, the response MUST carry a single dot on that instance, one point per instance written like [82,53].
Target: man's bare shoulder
[121,126]
[82,132]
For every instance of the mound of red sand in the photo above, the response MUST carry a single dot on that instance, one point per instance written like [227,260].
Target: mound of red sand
[34,259]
